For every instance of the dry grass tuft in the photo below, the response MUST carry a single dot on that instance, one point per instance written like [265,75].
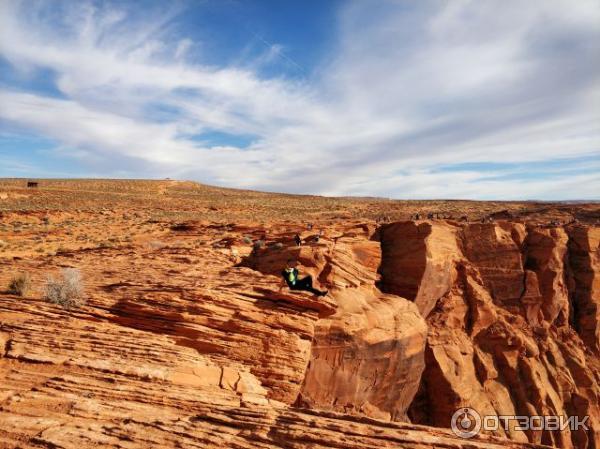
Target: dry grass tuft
[67,291]
[20,284]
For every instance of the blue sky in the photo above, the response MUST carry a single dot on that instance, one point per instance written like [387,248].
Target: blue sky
[403,99]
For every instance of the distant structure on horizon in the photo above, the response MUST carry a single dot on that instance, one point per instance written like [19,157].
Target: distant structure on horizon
[32,184]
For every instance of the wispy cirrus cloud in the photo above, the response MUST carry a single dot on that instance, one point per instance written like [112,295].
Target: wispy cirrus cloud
[410,91]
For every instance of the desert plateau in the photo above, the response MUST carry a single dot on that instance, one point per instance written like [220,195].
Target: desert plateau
[185,337]
[267,224]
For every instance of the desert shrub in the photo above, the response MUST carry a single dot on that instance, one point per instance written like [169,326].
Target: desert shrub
[278,245]
[258,244]
[247,240]
[20,284]
[67,291]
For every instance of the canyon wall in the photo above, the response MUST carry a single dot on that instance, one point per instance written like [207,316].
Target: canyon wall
[508,310]
[194,341]
[512,312]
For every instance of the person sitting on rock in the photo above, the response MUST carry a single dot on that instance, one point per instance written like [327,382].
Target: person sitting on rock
[291,277]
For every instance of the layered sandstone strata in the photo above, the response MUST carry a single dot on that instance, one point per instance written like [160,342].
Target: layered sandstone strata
[192,343]
[512,317]
[368,357]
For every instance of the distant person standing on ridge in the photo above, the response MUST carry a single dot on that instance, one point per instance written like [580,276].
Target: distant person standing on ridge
[318,236]
[298,240]
[290,275]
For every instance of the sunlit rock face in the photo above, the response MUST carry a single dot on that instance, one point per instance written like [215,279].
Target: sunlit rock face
[188,338]
[512,312]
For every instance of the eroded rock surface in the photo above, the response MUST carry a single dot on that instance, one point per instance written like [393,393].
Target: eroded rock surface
[502,335]
[368,357]
[187,339]
[177,347]
[584,275]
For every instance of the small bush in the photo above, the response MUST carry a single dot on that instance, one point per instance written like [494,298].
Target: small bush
[20,284]
[258,244]
[247,240]
[66,291]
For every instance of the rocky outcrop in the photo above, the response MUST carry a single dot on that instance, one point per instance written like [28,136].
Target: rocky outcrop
[495,251]
[498,311]
[189,340]
[368,357]
[197,314]
[421,268]
[584,261]
[546,259]
[75,409]
[178,348]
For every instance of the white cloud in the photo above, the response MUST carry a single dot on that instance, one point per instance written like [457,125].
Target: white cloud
[412,87]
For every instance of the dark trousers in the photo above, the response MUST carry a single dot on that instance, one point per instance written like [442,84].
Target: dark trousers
[306,284]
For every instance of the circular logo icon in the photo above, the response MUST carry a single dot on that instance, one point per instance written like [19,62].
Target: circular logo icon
[466,422]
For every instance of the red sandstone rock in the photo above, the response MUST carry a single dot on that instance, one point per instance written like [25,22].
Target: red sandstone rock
[179,347]
[545,252]
[410,269]
[584,260]
[499,339]
[368,357]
